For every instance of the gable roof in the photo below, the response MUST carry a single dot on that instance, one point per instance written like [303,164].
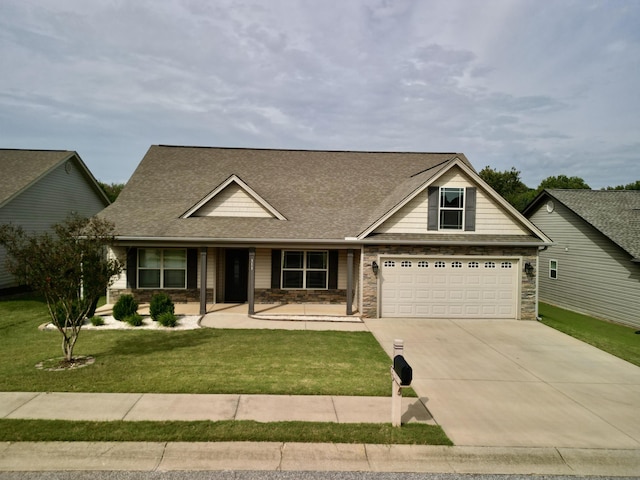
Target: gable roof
[614,213]
[321,195]
[20,169]
[233,180]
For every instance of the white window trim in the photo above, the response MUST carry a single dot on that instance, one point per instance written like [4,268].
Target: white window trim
[162,269]
[553,269]
[305,269]
[441,209]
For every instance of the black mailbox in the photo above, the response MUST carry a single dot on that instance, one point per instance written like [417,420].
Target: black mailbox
[403,370]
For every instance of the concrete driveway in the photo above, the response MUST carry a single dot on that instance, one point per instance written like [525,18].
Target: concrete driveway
[517,383]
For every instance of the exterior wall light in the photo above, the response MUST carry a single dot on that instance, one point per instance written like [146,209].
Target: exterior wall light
[374,267]
[528,268]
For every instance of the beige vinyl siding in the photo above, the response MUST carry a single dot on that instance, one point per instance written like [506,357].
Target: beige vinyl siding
[595,277]
[491,218]
[47,202]
[233,201]
[212,255]
[263,268]
[120,282]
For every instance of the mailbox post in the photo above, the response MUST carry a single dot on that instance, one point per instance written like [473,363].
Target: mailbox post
[401,376]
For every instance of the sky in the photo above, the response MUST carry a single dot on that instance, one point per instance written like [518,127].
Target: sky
[548,87]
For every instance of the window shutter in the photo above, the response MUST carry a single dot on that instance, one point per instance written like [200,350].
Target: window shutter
[432,222]
[192,268]
[470,209]
[132,268]
[276,262]
[333,269]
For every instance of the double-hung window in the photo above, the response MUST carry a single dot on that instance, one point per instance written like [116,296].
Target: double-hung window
[303,269]
[553,269]
[162,268]
[451,211]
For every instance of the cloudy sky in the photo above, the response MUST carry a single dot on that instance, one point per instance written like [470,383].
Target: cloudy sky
[549,87]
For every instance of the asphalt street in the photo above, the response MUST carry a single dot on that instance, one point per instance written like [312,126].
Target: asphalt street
[260,475]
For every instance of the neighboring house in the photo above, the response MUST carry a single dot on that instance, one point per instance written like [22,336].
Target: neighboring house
[39,188]
[385,234]
[593,266]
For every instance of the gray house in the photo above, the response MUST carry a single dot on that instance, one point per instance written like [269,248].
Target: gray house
[39,188]
[593,267]
[384,234]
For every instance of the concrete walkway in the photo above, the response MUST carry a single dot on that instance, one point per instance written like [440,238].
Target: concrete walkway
[188,407]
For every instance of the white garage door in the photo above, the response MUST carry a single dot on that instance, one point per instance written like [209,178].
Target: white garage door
[449,288]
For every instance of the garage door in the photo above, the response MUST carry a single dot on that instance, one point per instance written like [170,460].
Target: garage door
[449,288]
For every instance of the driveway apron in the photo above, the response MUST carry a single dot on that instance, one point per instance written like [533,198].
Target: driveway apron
[517,383]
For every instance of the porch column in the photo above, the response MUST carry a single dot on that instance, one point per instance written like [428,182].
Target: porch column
[349,282]
[251,287]
[203,280]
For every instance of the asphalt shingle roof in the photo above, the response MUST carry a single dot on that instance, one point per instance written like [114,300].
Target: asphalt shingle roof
[615,213]
[21,168]
[324,195]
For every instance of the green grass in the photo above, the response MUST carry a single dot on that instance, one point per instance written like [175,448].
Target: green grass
[192,361]
[619,340]
[199,361]
[227,431]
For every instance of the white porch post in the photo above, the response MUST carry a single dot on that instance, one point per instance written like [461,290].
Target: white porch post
[350,282]
[252,281]
[203,280]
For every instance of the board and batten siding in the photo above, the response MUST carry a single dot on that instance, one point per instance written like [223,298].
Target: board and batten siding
[47,202]
[491,218]
[595,277]
[233,201]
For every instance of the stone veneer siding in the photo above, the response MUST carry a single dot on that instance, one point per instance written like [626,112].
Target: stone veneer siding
[177,295]
[272,295]
[527,287]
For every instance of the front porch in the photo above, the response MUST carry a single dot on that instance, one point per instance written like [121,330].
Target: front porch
[262,311]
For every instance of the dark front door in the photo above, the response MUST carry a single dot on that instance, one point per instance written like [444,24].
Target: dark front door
[236,275]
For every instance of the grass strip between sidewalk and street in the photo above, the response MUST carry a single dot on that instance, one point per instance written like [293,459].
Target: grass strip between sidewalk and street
[619,340]
[13,430]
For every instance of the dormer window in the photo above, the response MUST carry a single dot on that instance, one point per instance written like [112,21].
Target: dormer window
[451,211]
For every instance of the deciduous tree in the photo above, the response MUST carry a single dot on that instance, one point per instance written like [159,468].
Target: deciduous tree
[69,267]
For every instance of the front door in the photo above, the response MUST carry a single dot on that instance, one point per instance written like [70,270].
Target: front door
[236,275]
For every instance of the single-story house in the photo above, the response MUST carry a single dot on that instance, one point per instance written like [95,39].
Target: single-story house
[593,266]
[39,188]
[385,234]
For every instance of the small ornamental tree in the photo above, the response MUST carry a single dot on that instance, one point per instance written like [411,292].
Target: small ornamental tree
[69,267]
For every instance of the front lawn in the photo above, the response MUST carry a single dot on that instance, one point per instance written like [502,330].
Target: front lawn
[192,361]
[618,340]
[199,361]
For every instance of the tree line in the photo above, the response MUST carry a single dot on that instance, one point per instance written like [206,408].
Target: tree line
[509,184]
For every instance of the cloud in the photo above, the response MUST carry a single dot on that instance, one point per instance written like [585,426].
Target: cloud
[510,83]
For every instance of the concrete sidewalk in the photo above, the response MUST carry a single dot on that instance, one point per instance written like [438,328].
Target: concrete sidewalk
[191,407]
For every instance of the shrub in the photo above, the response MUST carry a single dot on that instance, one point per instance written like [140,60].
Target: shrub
[97,321]
[168,319]
[160,303]
[124,307]
[134,320]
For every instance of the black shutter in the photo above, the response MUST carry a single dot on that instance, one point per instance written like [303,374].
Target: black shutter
[333,269]
[192,268]
[132,268]
[432,222]
[276,261]
[470,209]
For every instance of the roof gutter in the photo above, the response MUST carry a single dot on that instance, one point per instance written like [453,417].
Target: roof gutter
[347,241]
